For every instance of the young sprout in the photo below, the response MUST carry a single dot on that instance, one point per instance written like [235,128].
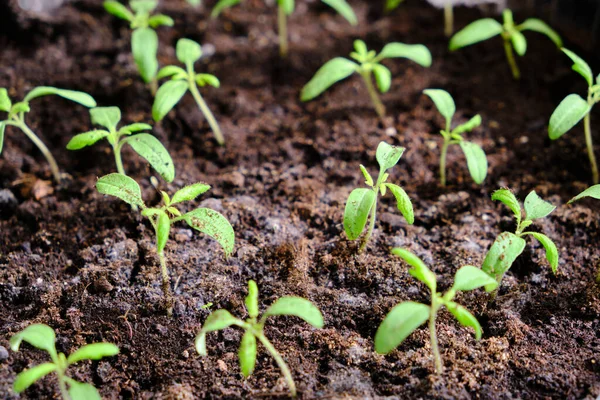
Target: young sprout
[391,5]
[476,160]
[16,116]
[574,108]
[362,203]
[182,80]
[146,145]
[254,329]
[368,63]
[487,28]
[406,317]
[205,220]
[285,8]
[43,337]
[508,246]
[144,40]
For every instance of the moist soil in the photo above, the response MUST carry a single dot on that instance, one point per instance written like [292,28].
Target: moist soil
[85,264]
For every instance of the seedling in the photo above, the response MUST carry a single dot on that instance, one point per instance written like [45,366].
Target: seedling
[16,116]
[487,28]
[205,220]
[509,246]
[254,329]
[285,8]
[476,160]
[362,202]
[406,317]
[391,5]
[43,337]
[146,145]
[144,40]
[368,63]
[169,94]
[574,108]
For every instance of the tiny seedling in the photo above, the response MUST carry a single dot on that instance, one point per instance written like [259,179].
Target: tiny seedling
[146,145]
[406,317]
[16,116]
[362,202]
[285,8]
[508,246]
[391,5]
[254,329]
[144,40]
[574,108]
[368,64]
[476,160]
[205,220]
[182,80]
[43,337]
[512,36]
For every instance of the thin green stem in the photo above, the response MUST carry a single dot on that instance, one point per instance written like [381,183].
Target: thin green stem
[439,367]
[165,283]
[511,58]
[443,157]
[118,160]
[448,19]
[287,374]
[373,214]
[62,381]
[153,86]
[207,114]
[283,34]
[590,147]
[38,142]
[377,104]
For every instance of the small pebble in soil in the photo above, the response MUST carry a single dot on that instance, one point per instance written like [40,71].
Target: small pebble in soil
[3,353]
[8,202]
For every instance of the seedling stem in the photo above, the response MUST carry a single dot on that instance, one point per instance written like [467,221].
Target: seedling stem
[19,122]
[435,306]
[588,140]
[210,118]
[448,19]
[377,104]
[373,214]
[283,35]
[514,68]
[287,374]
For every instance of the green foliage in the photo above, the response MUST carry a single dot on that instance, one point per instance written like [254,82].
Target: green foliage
[254,329]
[593,192]
[43,337]
[392,4]
[362,202]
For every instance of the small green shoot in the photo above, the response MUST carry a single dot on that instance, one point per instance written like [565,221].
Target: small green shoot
[368,64]
[362,202]
[406,317]
[476,159]
[512,36]
[391,5]
[146,145]
[254,329]
[16,116]
[205,220]
[42,337]
[182,80]
[574,108]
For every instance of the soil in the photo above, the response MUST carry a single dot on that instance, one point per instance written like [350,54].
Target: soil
[85,264]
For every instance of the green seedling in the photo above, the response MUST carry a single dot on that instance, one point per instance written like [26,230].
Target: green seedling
[205,220]
[574,108]
[144,40]
[476,159]
[512,36]
[42,337]
[182,80]
[285,8]
[368,64]
[508,246]
[406,317]
[254,329]
[593,192]
[16,116]
[362,203]
[146,145]
[391,5]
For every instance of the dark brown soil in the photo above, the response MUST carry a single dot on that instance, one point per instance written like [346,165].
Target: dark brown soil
[85,265]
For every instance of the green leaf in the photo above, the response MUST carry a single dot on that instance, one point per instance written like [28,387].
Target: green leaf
[144,47]
[37,335]
[287,5]
[537,25]
[580,66]
[468,126]
[136,127]
[444,103]
[5,103]
[31,375]
[78,97]
[160,20]
[143,6]
[470,278]
[190,192]
[20,107]
[2,129]
[392,4]
[163,227]
[82,140]
[368,178]
[357,211]
[252,299]
[331,72]
[247,353]
[344,9]
[475,32]
[568,113]
[419,270]
[550,247]
[465,317]
[221,5]
[167,96]
[170,70]
[508,198]
[207,79]
[415,52]
[387,156]
[108,117]
[151,149]
[476,160]
[592,191]
[82,391]
[404,204]
[400,322]
[188,51]
[94,351]
[298,307]
[519,42]
[213,224]
[121,186]
[535,207]
[118,10]
[503,253]
[218,320]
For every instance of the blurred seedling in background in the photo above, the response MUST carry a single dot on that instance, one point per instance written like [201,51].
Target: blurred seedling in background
[182,80]
[362,203]
[42,337]
[16,116]
[205,220]
[512,36]
[144,40]
[406,317]
[254,329]
[367,65]
[476,159]
[593,192]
